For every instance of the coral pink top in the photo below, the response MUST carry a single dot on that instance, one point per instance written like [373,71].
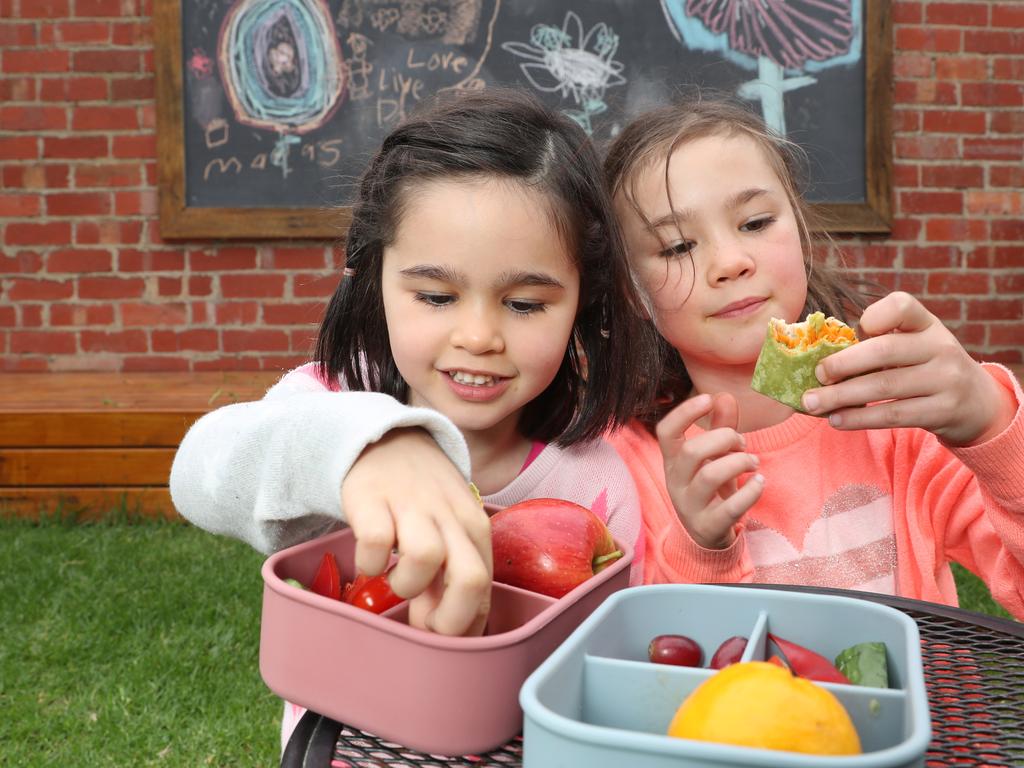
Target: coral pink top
[878,510]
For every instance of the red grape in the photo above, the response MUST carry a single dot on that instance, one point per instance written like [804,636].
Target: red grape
[679,650]
[729,652]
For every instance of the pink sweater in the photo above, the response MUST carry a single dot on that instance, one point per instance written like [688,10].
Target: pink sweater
[876,510]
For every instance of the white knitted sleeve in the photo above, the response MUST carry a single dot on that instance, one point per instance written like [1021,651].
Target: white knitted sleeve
[270,472]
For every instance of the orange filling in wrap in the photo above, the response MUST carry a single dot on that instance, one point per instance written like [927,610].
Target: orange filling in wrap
[807,335]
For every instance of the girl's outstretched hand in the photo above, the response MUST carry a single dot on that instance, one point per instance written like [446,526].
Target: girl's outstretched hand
[702,472]
[403,492]
[910,371]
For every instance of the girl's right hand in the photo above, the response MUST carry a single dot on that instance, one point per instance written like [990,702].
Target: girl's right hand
[403,492]
[702,473]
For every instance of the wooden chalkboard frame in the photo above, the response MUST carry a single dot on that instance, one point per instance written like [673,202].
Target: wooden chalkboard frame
[180,221]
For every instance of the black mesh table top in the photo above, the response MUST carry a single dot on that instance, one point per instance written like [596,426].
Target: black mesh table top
[974,674]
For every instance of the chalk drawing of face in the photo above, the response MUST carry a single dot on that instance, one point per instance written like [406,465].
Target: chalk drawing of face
[282,58]
[281,64]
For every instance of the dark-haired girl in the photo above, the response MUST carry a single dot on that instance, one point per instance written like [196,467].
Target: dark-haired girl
[485,319]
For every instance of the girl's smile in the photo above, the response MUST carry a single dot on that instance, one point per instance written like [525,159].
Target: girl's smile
[477,387]
[741,308]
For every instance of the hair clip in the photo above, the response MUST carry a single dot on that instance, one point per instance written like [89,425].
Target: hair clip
[348,272]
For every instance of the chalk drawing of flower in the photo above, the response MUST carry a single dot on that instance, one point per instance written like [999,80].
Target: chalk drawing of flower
[789,32]
[573,63]
[773,37]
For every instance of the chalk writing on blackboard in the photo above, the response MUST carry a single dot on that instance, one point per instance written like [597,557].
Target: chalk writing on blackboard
[286,100]
[287,95]
[275,106]
[456,37]
[771,37]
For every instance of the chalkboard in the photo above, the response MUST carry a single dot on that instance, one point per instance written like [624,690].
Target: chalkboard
[269,109]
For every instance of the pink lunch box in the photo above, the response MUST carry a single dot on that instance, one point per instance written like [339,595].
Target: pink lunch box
[432,693]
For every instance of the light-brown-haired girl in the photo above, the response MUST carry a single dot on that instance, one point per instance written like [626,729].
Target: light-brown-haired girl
[910,453]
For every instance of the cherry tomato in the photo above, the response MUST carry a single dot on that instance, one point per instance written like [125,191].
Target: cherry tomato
[679,650]
[371,593]
[327,581]
[729,652]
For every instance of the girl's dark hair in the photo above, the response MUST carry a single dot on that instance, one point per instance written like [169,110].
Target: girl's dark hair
[653,137]
[503,134]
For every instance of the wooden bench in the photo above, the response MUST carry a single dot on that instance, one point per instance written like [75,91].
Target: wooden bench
[89,443]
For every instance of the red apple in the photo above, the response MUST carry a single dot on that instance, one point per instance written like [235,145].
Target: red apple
[549,545]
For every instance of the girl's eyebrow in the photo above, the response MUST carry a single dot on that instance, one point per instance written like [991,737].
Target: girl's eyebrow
[521,277]
[437,272]
[446,274]
[742,197]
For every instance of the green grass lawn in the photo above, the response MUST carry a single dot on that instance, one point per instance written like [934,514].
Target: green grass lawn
[974,595]
[131,645]
[136,644]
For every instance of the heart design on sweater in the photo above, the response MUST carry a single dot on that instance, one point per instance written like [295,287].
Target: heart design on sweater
[850,545]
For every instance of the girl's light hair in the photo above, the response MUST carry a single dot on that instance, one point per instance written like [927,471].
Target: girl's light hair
[651,139]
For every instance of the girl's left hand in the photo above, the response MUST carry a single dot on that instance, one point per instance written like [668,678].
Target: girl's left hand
[910,371]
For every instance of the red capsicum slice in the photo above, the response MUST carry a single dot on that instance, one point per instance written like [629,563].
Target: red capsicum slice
[804,662]
[371,593]
[327,581]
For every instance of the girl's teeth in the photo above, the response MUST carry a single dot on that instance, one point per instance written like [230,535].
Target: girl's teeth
[470,378]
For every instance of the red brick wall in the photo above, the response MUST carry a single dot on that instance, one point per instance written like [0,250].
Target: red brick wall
[86,282]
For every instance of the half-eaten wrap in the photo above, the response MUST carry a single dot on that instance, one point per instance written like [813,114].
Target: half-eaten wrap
[791,351]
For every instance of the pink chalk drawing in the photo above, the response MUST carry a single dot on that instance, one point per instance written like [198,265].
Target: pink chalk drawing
[772,36]
[199,64]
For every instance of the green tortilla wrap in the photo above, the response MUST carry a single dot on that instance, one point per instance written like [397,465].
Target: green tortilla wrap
[785,367]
